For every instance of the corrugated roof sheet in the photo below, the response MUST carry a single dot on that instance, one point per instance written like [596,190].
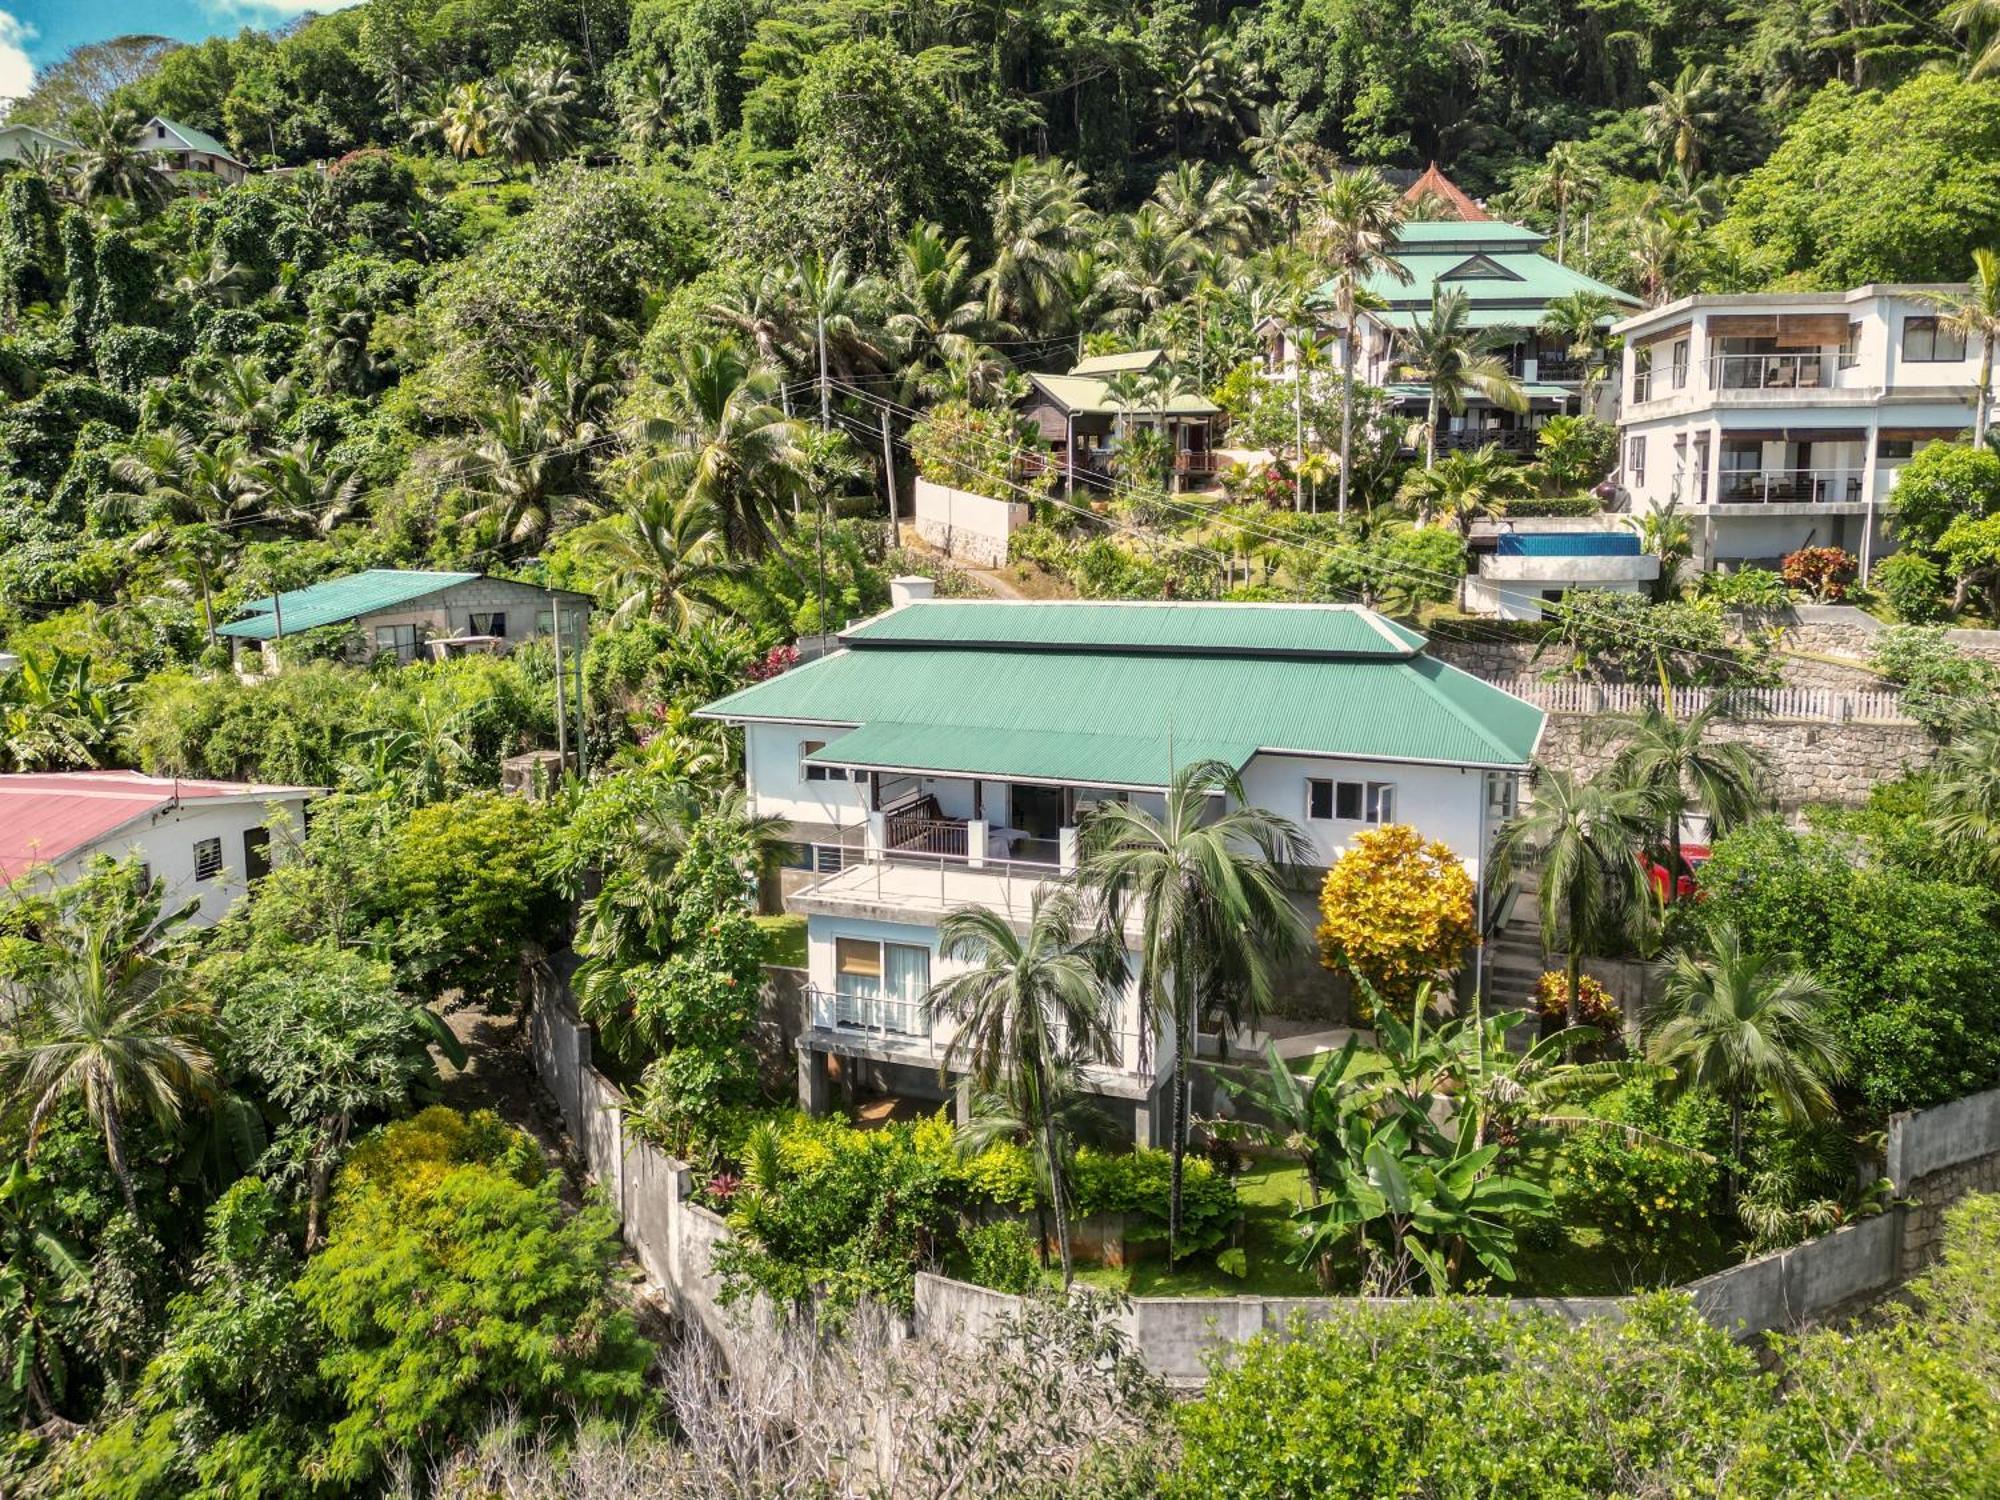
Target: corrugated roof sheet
[339,599]
[48,816]
[191,139]
[1111,364]
[1119,700]
[1280,629]
[1086,393]
[1486,234]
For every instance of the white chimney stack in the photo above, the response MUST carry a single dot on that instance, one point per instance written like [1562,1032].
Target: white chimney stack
[909,589]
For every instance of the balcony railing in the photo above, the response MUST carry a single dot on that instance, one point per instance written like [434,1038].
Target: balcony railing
[1770,372]
[1517,440]
[1787,486]
[907,1024]
[915,835]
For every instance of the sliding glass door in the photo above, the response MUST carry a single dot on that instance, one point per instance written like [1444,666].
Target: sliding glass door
[881,986]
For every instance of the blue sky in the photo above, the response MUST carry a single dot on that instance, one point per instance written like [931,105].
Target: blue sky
[34,33]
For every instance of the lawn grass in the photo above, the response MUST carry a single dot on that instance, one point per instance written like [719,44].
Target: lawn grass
[785,941]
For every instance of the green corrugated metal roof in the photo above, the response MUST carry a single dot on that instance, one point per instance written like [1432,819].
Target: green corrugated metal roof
[1479,234]
[1111,364]
[1113,704]
[1085,393]
[339,599]
[1530,277]
[194,140]
[1278,629]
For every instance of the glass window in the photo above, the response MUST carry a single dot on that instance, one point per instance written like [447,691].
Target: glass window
[1635,459]
[401,640]
[1888,447]
[1642,374]
[817,772]
[494,623]
[1927,341]
[1680,364]
[256,853]
[1351,801]
[207,858]
[1850,347]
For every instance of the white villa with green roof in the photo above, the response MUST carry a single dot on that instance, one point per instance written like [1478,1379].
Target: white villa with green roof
[1508,284]
[945,754]
[176,148]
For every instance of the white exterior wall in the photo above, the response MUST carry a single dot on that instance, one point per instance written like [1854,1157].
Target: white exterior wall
[165,842]
[972,528]
[1440,802]
[775,780]
[1521,598]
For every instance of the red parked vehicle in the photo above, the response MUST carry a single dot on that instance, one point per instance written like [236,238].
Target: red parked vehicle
[1693,857]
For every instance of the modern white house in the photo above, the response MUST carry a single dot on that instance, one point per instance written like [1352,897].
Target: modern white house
[205,840]
[1521,565]
[27,142]
[411,614]
[945,754]
[1780,420]
[1508,284]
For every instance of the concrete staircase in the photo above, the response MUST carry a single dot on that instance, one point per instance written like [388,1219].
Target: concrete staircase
[1514,958]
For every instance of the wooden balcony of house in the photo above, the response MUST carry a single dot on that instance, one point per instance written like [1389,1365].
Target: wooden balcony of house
[1203,462]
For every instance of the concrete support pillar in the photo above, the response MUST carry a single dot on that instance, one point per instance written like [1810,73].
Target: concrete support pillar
[878,834]
[815,1088]
[1869,469]
[961,1102]
[975,842]
[1066,855]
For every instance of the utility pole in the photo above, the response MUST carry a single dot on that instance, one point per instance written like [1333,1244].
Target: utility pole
[889,478]
[825,395]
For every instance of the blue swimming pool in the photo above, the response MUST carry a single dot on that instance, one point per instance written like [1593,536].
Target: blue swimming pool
[1570,544]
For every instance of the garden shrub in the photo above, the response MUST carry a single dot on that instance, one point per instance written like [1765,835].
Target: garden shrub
[1822,572]
[1395,909]
[1524,506]
[1002,1256]
[1939,681]
[1911,960]
[1913,585]
[1596,1006]
[1647,1196]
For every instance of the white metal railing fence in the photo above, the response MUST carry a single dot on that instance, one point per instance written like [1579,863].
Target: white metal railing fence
[908,1025]
[1770,372]
[1788,486]
[1815,705]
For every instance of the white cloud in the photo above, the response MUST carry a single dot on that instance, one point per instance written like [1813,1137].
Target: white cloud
[17,74]
[271,12]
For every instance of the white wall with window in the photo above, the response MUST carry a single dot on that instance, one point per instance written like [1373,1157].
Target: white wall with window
[1333,800]
[781,785]
[205,850]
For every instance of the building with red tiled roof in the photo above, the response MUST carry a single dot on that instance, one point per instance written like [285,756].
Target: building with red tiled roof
[205,839]
[1435,185]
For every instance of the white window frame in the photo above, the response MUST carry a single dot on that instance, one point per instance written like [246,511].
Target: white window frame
[208,859]
[1373,801]
[816,773]
[1938,334]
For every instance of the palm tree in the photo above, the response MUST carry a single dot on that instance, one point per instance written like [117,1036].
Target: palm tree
[1583,839]
[1039,217]
[935,313]
[1682,772]
[837,307]
[106,1019]
[1980,21]
[465,120]
[1974,314]
[1156,269]
[648,113]
[244,399]
[1355,233]
[303,485]
[665,554]
[1463,486]
[1218,210]
[187,488]
[111,163]
[531,108]
[1966,795]
[1660,242]
[1565,180]
[1445,353]
[1029,1010]
[1580,320]
[1747,1024]
[1682,115]
[1207,885]
[729,446]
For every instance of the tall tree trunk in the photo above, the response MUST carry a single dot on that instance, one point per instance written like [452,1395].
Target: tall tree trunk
[114,1147]
[1183,1054]
[1346,393]
[333,1136]
[1058,1200]
[1573,966]
[207,604]
[1562,231]
[1431,430]
[1983,412]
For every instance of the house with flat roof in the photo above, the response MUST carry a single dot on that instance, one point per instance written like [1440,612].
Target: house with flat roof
[1082,414]
[411,613]
[948,751]
[1508,284]
[1780,420]
[175,149]
[204,840]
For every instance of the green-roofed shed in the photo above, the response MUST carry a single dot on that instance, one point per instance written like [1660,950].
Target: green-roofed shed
[411,612]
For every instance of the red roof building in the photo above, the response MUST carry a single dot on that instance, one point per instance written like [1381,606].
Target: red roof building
[1434,184]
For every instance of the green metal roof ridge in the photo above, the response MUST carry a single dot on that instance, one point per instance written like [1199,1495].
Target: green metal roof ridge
[1090,394]
[1131,626]
[333,600]
[197,140]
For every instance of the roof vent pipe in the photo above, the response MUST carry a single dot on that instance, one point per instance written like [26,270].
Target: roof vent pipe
[909,589]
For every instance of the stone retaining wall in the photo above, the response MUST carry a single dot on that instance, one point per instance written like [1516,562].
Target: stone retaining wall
[1811,762]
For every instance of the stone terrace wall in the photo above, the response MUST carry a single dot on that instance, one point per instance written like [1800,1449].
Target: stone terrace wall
[1811,762]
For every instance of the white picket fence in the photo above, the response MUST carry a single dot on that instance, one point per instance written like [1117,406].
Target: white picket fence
[1814,705]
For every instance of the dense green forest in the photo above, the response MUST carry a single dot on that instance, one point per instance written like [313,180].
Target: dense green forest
[632,298]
